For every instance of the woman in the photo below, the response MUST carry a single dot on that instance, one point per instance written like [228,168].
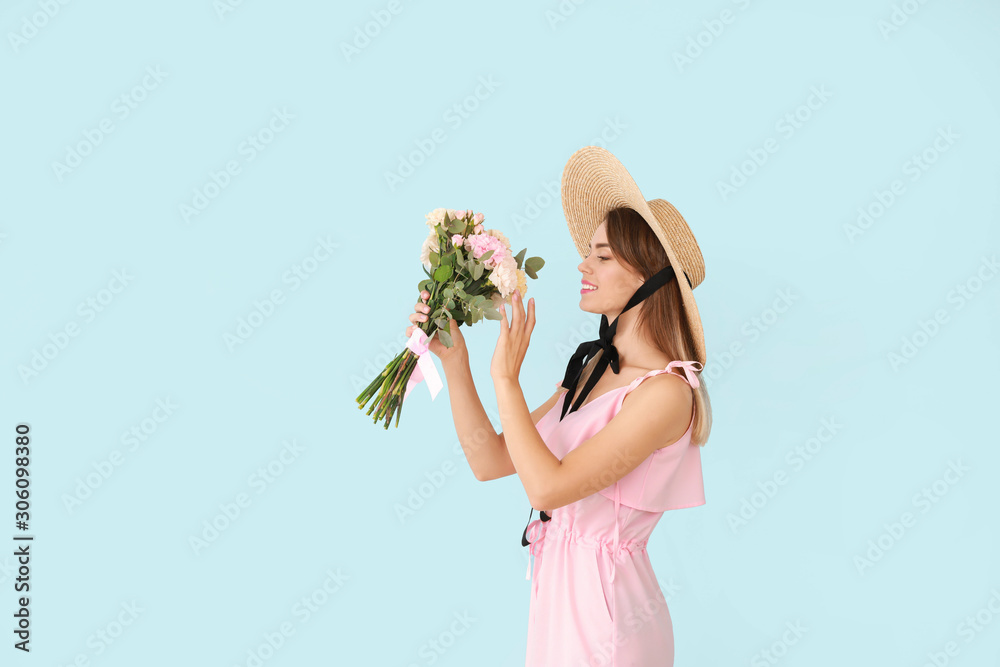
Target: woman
[587,451]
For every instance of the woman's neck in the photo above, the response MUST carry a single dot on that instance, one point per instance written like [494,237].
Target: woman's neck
[633,348]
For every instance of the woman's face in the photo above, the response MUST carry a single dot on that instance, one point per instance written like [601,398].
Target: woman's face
[614,281]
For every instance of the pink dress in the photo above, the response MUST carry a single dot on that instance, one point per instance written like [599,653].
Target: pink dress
[581,596]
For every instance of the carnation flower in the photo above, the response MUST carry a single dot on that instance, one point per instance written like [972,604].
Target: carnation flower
[458,289]
[435,217]
[483,243]
[430,245]
[504,276]
[522,282]
[495,233]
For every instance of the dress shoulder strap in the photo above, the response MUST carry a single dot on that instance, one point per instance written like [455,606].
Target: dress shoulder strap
[689,373]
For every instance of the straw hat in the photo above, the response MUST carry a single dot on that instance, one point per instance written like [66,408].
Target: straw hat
[593,183]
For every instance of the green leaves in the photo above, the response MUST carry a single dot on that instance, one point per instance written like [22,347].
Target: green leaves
[445,338]
[459,282]
[442,273]
[532,266]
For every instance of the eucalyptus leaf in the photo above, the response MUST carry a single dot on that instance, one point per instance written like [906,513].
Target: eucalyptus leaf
[443,273]
[535,263]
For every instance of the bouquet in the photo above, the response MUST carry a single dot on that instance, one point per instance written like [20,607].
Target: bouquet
[470,272]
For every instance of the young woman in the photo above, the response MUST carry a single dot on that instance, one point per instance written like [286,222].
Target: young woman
[587,451]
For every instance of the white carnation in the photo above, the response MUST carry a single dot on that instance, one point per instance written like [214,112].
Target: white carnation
[504,276]
[430,245]
[435,217]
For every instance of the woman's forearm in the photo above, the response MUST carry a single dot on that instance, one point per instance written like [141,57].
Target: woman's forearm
[481,443]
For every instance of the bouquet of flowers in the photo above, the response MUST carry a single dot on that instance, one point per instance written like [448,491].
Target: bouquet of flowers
[470,272]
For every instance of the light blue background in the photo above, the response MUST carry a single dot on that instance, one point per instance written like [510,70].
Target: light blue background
[558,84]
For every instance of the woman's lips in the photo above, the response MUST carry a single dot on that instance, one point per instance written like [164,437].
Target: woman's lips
[584,290]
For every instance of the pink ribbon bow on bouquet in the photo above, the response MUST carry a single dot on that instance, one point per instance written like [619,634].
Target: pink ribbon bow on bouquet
[425,365]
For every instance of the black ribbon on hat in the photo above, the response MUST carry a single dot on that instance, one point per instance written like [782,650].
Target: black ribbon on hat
[589,349]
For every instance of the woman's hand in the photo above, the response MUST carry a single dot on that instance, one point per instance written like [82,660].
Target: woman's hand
[513,342]
[446,354]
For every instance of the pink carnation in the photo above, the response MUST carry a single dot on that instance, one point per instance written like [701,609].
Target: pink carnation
[482,244]
[478,218]
[457,240]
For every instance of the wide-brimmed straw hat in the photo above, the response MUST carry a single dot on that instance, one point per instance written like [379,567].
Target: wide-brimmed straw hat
[593,183]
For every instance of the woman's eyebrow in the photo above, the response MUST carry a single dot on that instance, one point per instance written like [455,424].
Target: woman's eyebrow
[601,245]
